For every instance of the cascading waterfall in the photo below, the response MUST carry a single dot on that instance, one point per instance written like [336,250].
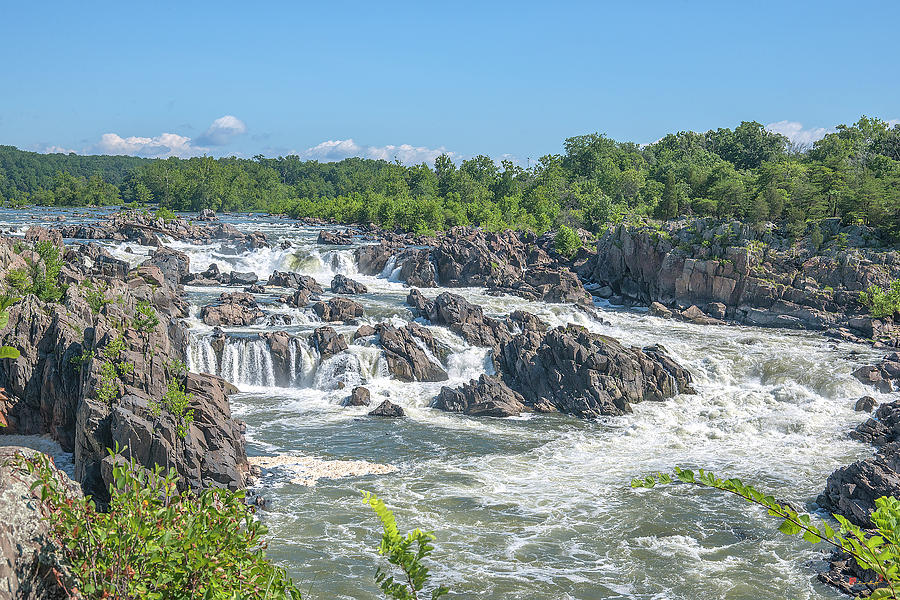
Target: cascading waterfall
[248,364]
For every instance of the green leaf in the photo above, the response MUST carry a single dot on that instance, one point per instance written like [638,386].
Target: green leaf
[789,527]
[9,352]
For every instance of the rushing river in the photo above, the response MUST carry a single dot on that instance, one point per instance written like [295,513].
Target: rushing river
[538,507]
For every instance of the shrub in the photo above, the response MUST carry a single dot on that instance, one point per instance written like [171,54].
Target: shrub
[166,214]
[156,543]
[405,552]
[566,241]
[176,403]
[882,303]
[44,273]
[879,552]
[113,367]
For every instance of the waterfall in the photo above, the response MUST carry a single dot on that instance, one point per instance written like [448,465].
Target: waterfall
[248,363]
[389,267]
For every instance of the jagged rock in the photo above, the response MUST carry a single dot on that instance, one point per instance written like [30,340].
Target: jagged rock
[338,309]
[341,284]
[883,427]
[364,331]
[416,300]
[694,315]
[372,259]
[296,281]
[716,310]
[234,309]
[658,310]
[486,397]
[405,357]
[337,238]
[30,563]
[465,319]
[35,234]
[359,397]
[587,374]
[207,214]
[239,278]
[328,342]
[885,376]
[387,409]
[865,404]
[851,491]
[211,276]
[416,268]
[255,289]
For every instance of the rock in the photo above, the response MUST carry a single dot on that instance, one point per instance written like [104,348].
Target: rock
[238,278]
[207,214]
[587,374]
[372,259]
[885,376]
[338,309]
[658,310]
[338,238]
[364,331]
[884,426]
[486,397]
[30,564]
[387,409]
[851,491]
[174,265]
[416,300]
[211,276]
[694,315]
[416,267]
[296,281]
[865,404]
[255,289]
[360,397]
[341,284]
[465,319]
[327,342]
[716,310]
[35,234]
[405,357]
[234,309]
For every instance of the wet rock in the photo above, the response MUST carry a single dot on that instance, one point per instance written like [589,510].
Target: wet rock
[359,397]
[211,276]
[486,397]
[338,309]
[416,300]
[327,342]
[242,278]
[372,259]
[885,376]
[341,284]
[883,427]
[255,289]
[658,310]
[865,404]
[337,238]
[694,315]
[30,567]
[234,309]
[406,359]
[174,265]
[387,409]
[416,267]
[364,331]
[465,319]
[716,310]
[207,214]
[296,281]
[851,491]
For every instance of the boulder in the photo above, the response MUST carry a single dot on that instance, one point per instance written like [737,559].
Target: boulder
[486,397]
[387,409]
[885,376]
[658,310]
[359,397]
[865,404]
[296,281]
[883,427]
[338,309]
[341,284]
[337,238]
[405,356]
[364,331]
[327,342]
[207,214]
[174,265]
[235,309]
[242,278]
[851,491]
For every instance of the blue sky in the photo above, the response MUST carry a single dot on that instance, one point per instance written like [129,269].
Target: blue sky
[331,79]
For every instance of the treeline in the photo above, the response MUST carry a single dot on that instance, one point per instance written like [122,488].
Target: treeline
[745,173]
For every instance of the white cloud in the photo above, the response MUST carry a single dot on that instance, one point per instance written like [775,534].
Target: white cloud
[161,146]
[334,150]
[222,131]
[795,132]
[57,150]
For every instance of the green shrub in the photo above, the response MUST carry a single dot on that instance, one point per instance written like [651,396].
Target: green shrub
[17,280]
[113,367]
[44,273]
[166,214]
[176,403]
[156,543]
[406,552]
[879,551]
[882,303]
[96,296]
[566,241]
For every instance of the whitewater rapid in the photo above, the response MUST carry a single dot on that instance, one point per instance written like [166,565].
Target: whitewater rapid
[536,507]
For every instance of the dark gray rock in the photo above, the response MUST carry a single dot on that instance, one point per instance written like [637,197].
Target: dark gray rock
[865,404]
[341,284]
[327,342]
[387,409]
[487,396]
[359,397]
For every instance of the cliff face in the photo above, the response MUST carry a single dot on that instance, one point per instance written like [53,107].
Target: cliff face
[760,277]
[61,385]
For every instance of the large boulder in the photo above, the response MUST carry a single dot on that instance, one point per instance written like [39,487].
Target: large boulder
[175,265]
[296,281]
[387,409]
[851,491]
[327,342]
[885,376]
[338,309]
[337,238]
[359,397]
[405,356]
[486,397]
[341,284]
[235,309]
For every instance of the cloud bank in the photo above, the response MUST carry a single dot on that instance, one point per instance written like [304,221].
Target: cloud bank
[221,132]
[334,150]
[797,134]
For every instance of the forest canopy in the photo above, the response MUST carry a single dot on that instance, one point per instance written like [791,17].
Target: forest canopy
[745,173]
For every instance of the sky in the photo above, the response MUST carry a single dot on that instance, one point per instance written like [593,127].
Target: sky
[410,81]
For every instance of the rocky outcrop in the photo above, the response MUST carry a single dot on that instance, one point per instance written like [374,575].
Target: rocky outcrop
[337,238]
[338,309]
[341,284]
[30,565]
[486,397]
[327,342]
[405,353]
[759,277]
[884,426]
[73,349]
[232,309]
[174,265]
[387,409]
[851,491]
[885,376]
[295,281]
